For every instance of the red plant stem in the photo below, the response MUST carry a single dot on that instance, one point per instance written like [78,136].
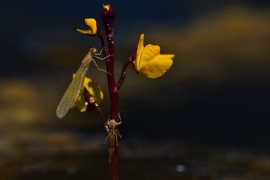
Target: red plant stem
[110,75]
[113,91]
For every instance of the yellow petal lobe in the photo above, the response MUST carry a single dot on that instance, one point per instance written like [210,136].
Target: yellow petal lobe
[157,66]
[139,51]
[148,54]
[95,91]
[92,24]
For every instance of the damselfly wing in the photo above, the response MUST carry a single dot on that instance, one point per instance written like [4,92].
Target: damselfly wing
[72,93]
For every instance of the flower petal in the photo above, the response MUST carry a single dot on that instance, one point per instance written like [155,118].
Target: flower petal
[92,24]
[157,66]
[149,52]
[95,91]
[93,28]
[139,52]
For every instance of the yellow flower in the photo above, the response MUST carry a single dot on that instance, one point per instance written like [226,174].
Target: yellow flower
[150,62]
[93,27]
[93,89]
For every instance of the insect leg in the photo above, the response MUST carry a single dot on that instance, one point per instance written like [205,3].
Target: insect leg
[99,68]
[105,140]
[119,119]
[97,54]
[103,58]
[118,134]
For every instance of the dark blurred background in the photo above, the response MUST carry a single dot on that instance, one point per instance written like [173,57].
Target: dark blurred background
[216,94]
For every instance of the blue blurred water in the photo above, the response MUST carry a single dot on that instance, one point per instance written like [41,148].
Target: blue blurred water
[229,112]
[33,24]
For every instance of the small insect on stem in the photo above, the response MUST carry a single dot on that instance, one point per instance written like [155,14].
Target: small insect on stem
[72,93]
[113,136]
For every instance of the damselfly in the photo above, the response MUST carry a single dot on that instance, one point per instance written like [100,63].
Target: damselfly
[72,93]
[113,135]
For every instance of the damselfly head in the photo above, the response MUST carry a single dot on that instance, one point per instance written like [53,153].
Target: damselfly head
[93,50]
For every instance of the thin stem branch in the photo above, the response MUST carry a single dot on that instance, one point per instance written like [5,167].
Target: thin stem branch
[87,97]
[105,52]
[102,116]
[123,75]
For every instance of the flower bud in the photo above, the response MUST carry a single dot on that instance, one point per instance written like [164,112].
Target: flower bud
[108,12]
